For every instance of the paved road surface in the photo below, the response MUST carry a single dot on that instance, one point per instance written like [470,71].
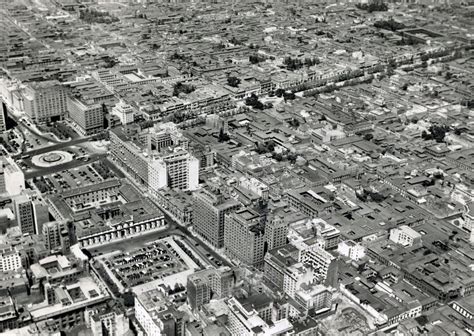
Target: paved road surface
[68,165]
[139,241]
[54,147]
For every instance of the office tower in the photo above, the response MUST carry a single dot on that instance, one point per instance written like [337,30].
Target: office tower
[56,236]
[12,176]
[212,282]
[198,290]
[209,210]
[276,230]
[156,159]
[244,237]
[124,112]
[88,116]
[41,215]
[45,101]
[315,298]
[24,214]
[322,262]
[10,259]
[245,321]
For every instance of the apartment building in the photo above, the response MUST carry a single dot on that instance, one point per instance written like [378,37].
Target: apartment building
[244,237]
[88,116]
[209,210]
[45,101]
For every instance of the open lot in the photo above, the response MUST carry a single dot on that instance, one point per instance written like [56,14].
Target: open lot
[72,178]
[146,264]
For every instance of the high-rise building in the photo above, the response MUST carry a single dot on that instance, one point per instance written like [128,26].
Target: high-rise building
[157,315]
[209,210]
[316,298]
[124,112]
[56,236]
[244,237]
[156,159]
[24,214]
[209,284]
[88,116]
[198,290]
[41,214]
[246,322]
[45,101]
[276,230]
[322,262]
[351,249]
[12,177]
[10,259]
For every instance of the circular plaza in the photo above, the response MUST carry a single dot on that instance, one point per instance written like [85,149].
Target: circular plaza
[51,159]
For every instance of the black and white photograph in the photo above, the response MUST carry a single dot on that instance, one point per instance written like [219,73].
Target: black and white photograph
[236,168]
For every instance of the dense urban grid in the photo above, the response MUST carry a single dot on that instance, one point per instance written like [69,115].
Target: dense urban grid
[224,168]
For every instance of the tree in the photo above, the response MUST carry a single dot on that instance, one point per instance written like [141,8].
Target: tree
[233,81]
[294,123]
[254,102]
[182,88]
[279,93]
[289,96]
[368,136]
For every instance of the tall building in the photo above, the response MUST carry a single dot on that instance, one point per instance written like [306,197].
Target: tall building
[315,298]
[45,101]
[405,236]
[276,230]
[209,284]
[198,290]
[351,249]
[209,210]
[88,116]
[157,315]
[124,112]
[155,159]
[24,214]
[41,215]
[10,259]
[12,176]
[56,236]
[244,237]
[322,262]
[246,322]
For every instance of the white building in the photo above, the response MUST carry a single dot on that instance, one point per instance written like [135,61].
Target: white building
[124,112]
[174,168]
[88,116]
[404,235]
[13,177]
[317,297]
[322,262]
[10,259]
[45,101]
[248,323]
[295,276]
[351,249]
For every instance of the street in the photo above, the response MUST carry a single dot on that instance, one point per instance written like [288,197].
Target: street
[69,165]
[139,241]
[54,147]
